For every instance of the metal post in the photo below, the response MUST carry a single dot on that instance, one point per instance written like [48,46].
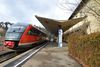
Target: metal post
[60,32]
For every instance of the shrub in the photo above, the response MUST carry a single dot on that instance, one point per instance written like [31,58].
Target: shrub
[86,48]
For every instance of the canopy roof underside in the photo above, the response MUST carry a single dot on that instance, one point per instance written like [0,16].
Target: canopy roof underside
[54,25]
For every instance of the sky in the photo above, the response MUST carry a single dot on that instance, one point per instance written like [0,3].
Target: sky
[24,11]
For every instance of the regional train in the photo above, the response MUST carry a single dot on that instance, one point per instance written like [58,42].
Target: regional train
[22,36]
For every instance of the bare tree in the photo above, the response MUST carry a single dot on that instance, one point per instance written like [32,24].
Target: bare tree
[5,25]
[1,24]
[68,5]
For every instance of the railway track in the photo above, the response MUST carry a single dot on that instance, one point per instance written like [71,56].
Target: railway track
[28,54]
[9,54]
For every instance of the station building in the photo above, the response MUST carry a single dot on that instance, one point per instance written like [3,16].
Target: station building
[90,9]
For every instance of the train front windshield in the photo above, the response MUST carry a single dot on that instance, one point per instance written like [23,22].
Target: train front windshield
[14,33]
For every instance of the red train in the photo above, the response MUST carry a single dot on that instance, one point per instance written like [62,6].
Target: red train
[22,36]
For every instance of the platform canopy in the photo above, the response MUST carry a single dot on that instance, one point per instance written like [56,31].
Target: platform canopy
[54,25]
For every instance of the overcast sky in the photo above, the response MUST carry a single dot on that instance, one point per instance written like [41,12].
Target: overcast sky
[23,11]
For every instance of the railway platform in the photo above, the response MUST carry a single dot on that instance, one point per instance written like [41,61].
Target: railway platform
[52,56]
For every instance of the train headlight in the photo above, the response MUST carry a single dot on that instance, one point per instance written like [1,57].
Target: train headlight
[9,44]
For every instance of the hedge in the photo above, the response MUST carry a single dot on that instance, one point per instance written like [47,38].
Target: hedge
[86,48]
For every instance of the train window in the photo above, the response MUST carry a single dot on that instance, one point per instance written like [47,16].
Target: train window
[16,29]
[36,31]
[33,32]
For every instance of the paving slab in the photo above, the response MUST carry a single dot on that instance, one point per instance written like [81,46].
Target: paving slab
[52,56]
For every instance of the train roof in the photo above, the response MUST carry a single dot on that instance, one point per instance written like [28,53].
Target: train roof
[21,24]
[25,25]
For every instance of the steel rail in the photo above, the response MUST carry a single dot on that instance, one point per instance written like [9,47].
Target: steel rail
[20,61]
[7,55]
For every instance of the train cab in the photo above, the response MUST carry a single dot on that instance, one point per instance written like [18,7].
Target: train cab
[22,35]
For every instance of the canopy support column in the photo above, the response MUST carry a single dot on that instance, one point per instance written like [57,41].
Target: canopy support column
[60,34]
